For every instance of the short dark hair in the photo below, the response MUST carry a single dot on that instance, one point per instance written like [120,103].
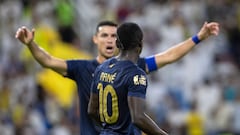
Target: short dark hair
[105,23]
[129,36]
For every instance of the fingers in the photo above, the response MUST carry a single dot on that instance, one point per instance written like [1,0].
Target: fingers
[209,29]
[215,31]
[25,35]
[18,33]
[205,24]
[213,28]
[33,32]
[23,32]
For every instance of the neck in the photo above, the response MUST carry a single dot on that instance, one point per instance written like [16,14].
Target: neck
[100,59]
[128,55]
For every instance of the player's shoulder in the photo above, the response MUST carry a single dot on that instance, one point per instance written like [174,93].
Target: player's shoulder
[138,70]
[107,63]
[132,70]
[137,77]
[82,62]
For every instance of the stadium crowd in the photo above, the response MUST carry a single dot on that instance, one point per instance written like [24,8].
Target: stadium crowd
[197,95]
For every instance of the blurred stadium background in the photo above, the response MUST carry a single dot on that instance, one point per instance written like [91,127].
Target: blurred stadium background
[198,95]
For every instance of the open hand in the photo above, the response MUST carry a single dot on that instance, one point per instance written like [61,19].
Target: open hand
[25,35]
[208,29]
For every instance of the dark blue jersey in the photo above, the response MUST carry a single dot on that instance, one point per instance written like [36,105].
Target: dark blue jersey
[114,81]
[81,71]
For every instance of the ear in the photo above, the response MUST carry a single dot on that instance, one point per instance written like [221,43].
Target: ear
[118,43]
[141,44]
[94,39]
[139,49]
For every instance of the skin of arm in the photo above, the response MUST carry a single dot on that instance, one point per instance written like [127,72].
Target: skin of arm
[93,108]
[141,119]
[178,51]
[41,56]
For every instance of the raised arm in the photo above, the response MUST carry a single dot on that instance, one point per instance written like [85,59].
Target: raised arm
[41,56]
[141,119]
[179,50]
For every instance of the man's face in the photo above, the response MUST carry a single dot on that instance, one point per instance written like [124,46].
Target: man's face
[105,40]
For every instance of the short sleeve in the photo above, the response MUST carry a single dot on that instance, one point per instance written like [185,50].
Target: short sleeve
[73,67]
[142,64]
[137,84]
[93,87]
[94,82]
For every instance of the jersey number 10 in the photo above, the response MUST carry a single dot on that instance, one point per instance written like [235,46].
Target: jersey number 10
[103,109]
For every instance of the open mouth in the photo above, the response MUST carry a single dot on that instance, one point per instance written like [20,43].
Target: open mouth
[109,49]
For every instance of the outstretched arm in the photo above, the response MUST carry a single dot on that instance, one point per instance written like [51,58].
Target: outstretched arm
[42,57]
[141,119]
[179,50]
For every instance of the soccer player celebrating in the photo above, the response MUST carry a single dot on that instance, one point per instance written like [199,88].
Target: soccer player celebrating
[119,88]
[81,71]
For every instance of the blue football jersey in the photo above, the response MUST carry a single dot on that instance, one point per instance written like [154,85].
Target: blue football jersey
[114,81]
[81,71]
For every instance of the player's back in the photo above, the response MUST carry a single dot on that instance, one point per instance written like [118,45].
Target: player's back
[114,81]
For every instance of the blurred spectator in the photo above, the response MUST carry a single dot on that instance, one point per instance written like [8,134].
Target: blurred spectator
[222,116]
[236,116]
[123,11]
[65,16]
[5,96]
[27,109]
[194,121]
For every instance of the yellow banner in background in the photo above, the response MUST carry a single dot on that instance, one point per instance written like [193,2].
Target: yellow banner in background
[60,87]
